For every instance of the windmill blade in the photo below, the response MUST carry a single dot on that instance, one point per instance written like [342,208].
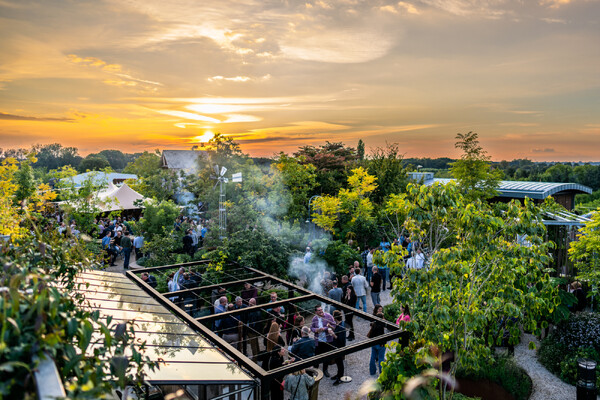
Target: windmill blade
[216,183]
[223,171]
[216,169]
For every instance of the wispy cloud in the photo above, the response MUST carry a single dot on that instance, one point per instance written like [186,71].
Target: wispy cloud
[220,78]
[119,79]
[546,150]
[556,3]
[13,117]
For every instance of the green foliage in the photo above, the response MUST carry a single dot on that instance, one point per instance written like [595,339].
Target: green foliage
[259,250]
[39,317]
[93,162]
[578,337]
[478,276]
[79,203]
[349,206]
[25,181]
[428,213]
[360,150]
[153,181]
[506,373]
[337,254]
[331,161]
[585,253]
[473,171]
[55,156]
[299,180]
[116,158]
[387,166]
[158,219]
[568,365]
[392,311]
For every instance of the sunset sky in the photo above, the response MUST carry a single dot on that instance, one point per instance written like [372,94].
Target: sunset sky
[138,75]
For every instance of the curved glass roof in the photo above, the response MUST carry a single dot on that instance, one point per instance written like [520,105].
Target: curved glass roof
[533,190]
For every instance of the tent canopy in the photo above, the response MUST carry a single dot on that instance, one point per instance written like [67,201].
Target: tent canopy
[115,198]
[112,198]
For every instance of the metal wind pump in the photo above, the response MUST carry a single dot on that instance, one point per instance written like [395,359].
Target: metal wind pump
[222,181]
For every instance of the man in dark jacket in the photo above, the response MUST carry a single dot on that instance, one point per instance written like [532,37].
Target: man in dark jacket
[339,341]
[304,347]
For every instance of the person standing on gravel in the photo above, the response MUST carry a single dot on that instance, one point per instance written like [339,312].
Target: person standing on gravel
[298,383]
[127,245]
[361,287]
[322,326]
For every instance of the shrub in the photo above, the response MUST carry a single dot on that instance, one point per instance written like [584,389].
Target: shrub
[581,330]
[339,256]
[259,250]
[506,373]
[572,339]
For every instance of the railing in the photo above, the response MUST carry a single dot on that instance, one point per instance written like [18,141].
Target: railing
[47,380]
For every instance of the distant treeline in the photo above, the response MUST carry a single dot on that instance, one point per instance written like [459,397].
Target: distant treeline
[54,156]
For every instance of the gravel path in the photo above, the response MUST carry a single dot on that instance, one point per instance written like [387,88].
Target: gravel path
[546,386]
[356,364]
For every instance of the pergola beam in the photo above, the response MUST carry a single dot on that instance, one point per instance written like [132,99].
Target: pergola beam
[253,308]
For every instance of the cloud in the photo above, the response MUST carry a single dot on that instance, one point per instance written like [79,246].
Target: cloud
[546,150]
[94,62]
[411,9]
[341,46]
[12,117]
[187,115]
[121,79]
[556,3]
[220,78]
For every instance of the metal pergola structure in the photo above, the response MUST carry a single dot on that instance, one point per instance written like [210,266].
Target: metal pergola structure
[235,276]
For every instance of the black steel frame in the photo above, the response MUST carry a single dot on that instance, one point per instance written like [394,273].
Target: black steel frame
[259,373]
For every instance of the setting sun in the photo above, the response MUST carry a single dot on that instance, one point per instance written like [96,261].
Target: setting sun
[203,138]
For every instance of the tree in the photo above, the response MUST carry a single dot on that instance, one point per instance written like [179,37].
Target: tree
[558,173]
[158,219]
[93,162]
[352,203]
[299,179]
[473,171]
[43,311]
[360,150]
[153,181]
[387,165]
[585,253]
[482,284]
[25,180]
[54,156]
[116,158]
[9,215]
[427,213]
[144,166]
[79,202]
[331,161]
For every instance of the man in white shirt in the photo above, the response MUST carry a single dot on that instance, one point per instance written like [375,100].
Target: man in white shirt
[359,282]
[307,256]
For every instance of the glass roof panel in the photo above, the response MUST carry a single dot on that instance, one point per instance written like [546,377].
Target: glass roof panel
[197,372]
[189,356]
